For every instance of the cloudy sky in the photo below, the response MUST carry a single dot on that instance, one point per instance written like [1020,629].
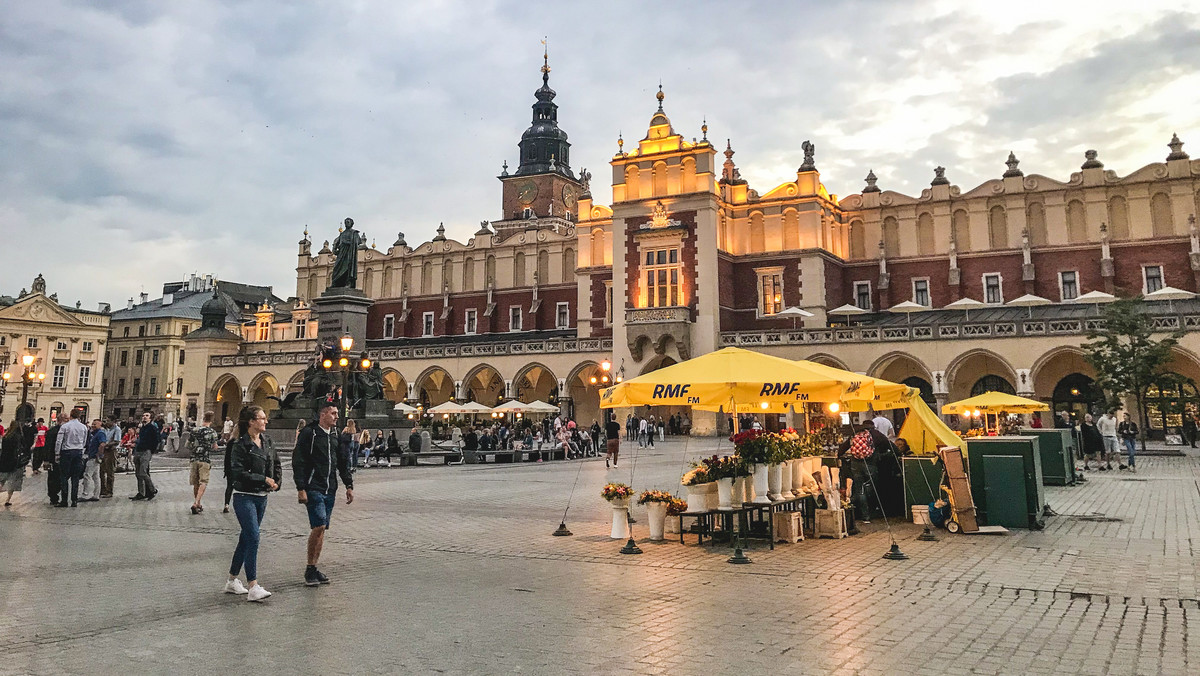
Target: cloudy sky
[143,140]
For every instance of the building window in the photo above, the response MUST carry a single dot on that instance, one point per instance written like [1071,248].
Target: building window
[179,386]
[137,387]
[662,277]
[389,326]
[153,386]
[862,295]
[61,345]
[992,291]
[186,329]
[921,292]
[608,304]
[514,318]
[1152,279]
[59,378]
[471,322]
[104,385]
[124,357]
[427,324]
[181,354]
[770,291]
[85,377]
[301,329]
[3,341]
[137,357]
[562,315]
[264,331]
[142,331]
[31,343]
[120,387]
[158,329]
[125,332]
[87,346]
[154,357]
[1068,285]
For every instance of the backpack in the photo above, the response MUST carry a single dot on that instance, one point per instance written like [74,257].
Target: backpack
[861,446]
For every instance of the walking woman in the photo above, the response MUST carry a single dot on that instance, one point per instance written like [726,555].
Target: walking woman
[256,472]
[349,442]
[13,458]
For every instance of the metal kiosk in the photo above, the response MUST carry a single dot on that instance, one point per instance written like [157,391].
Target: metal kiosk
[1006,481]
[1057,447]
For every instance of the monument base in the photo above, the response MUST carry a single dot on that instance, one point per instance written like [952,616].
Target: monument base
[341,311]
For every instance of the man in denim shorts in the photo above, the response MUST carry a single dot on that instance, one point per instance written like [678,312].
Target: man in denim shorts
[316,464]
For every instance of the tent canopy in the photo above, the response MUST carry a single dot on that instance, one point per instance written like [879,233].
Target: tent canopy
[995,401]
[539,406]
[924,431]
[513,406]
[404,408]
[736,376]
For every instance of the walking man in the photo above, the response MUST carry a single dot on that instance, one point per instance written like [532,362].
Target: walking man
[227,429]
[1107,424]
[50,461]
[202,443]
[316,464]
[108,462]
[612,431]
[97,439]
[68,451]
[1128,431]
[147,443]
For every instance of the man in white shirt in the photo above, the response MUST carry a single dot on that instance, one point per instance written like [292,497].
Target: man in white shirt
[68,451]
[1107,426]
[884,425]
[227,428]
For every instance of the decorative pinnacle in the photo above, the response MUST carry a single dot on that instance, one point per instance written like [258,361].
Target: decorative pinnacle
[620,143]
[871,179]
[660,96]
[1012,163]
[1176,147]
[939,176]
[704,129]
[728,150]
[545,61]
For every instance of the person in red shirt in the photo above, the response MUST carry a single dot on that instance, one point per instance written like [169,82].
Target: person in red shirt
[39,441]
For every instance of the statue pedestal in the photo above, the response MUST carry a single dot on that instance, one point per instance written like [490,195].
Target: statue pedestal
[378,409]
[341,311]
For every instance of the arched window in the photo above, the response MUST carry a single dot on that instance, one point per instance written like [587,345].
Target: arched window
[468,283]
[1035,220]
[758,238]
[660,179]
[385,287]
[1118,218]
[1076,222]
[925,245]
[1161,222]
[631,182]
[543,266]
[992,383]
[961,224]
[569,263]
[791,230]
[858,240]
[519,269]
[447,275]
[489,271]
[688,175]
[997,228]
[891,237]
[597,247]
[427,278]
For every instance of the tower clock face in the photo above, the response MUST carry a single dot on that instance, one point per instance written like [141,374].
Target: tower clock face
[569,196]
[527,192]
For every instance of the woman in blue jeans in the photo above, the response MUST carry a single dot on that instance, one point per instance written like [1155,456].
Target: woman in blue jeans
[254,472]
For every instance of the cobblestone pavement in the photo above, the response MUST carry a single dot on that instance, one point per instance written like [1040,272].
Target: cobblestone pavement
[453,570]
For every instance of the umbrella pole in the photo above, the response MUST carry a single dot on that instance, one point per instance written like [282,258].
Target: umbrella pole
[562,526]
[739,557]
[894,553]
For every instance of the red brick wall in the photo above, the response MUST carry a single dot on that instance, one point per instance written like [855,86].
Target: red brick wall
[741,279]
[461,302]
[687,257]
[1173,256]
[597,292]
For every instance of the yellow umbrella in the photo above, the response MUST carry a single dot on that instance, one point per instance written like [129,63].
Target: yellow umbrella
[741,378]
[995,401]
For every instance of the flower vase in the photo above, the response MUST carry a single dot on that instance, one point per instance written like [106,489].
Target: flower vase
[697,498]
[785,479]
[711,497]
[760,485]
[738,493]
[799,467]
[620,523]
[656,513]
[774,476]
[725,494]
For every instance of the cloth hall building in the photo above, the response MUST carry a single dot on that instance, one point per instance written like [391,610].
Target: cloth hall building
[688,257]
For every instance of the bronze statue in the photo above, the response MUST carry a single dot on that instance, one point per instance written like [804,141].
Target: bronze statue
[345,248]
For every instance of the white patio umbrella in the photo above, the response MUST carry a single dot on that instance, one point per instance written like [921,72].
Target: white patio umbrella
[966,305]
[1095,298]
[907,307]
[513,406]
[848,311]
[539,406]
[1169,294]
[795,313]
[1029,301]
[475,407]
[404,408]
[448,407]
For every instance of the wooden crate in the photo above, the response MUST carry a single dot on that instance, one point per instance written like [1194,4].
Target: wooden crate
[789,526]
[830,523]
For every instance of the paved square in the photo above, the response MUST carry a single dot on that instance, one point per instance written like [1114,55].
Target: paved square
[453,570]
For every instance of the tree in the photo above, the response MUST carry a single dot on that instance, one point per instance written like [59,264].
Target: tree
[1126,356]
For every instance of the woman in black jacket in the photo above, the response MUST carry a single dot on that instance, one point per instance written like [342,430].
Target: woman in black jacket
[1093,443]
[14,455]
[255,472]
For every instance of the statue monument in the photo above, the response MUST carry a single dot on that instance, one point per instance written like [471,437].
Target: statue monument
[345,250]
[342,308]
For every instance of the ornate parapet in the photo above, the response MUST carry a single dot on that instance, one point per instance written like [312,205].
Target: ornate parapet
[657,315]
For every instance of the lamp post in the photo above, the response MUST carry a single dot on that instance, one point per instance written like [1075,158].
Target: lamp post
[343,363]
[29,376]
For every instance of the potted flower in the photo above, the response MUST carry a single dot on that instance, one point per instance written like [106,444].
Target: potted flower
[723,471]
[674,508]
[741,478]
[618,495]
[753,447]
[656,503]
[696,481]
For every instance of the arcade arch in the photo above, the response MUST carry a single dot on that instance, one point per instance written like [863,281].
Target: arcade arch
[434,386]
[535,382]
[969,369]
[395,388]
[227,394]
[264,391]
[584,405]
[483,384]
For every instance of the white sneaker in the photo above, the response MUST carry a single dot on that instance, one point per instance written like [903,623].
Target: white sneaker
[235,586]
[257,593]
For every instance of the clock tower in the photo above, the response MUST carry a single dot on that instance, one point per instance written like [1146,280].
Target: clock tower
[543,186]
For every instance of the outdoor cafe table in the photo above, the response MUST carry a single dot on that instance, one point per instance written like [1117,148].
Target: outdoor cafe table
[707,520]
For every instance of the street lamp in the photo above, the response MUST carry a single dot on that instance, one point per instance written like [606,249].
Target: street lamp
[28,376]
[343,362]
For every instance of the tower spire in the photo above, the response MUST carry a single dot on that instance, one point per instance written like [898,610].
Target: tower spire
[545,62]
[544,146]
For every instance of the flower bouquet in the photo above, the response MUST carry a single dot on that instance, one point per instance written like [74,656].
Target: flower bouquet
[658,496]
[615,491]
[753,446]
[696,476]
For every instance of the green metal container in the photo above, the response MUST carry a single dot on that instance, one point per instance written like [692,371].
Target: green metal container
[922,475]
[1057,447]
[1006,481]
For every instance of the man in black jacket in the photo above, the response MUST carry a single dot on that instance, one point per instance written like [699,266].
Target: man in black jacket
[147,444]
[316,463]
